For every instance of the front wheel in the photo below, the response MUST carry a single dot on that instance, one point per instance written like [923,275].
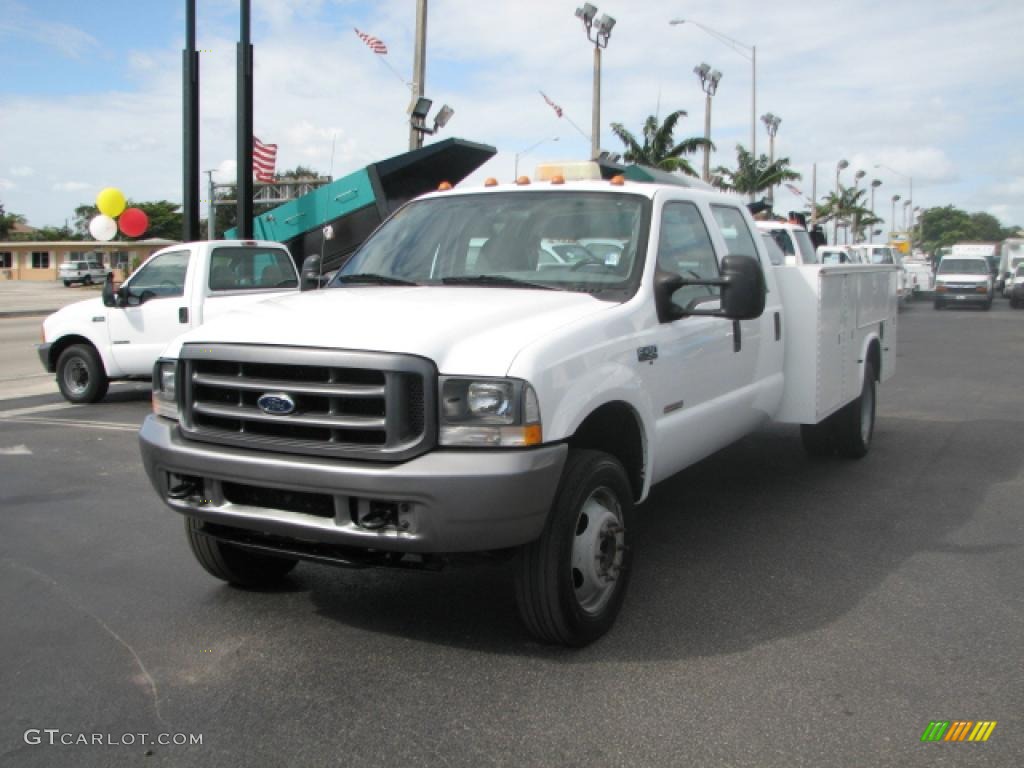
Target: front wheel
[88,280]
[67,283]
[80,374]
[571,582]
[235,565]
[855,423]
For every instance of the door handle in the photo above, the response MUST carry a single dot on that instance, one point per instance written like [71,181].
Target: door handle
[183,315]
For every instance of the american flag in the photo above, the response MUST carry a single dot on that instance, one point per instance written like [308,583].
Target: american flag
[558,109]
[264,160]
[376,44]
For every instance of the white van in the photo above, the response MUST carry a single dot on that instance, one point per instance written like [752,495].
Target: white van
[963,280]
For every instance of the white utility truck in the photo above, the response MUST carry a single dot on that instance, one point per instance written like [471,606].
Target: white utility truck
[121,334]
[452,394]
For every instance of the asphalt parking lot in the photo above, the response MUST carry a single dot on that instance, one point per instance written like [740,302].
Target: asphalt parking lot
[783,611]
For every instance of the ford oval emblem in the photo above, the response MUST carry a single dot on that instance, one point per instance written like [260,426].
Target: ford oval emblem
[276,403]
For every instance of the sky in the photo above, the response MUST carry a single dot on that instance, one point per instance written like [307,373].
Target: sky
[933,92]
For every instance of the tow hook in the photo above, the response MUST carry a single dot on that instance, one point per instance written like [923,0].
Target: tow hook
[188,487]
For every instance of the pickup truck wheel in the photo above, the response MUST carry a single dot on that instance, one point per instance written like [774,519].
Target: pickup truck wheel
[570,583]
[233,564]
[67,283]
[80,374]
[88,280]
[855,424]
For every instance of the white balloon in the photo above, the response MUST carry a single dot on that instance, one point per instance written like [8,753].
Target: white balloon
[102,227]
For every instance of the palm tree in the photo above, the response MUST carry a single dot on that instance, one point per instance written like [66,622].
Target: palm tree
[658,149]
[848,211]
[751,175]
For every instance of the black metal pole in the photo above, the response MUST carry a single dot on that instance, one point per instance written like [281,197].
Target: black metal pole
[190,128]
[244,122]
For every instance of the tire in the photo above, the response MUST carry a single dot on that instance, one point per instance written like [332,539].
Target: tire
[938,304]
[819,439]
[570,583]
[235,565]
[988,306]
[80,374]
[88,280]
[855,422]
[67,283]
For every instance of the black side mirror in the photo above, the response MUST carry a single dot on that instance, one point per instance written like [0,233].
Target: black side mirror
[310,277]
[743,288]
[109,295]
[742,297]
[665,285]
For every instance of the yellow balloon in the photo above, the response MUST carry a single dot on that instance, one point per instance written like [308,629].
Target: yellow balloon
[111,202]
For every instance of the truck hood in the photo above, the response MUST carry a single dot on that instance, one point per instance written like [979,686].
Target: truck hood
[464,330]
[74,315]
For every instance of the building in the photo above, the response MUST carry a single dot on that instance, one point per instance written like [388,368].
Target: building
[28,260]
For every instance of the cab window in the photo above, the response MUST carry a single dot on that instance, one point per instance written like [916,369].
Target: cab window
[684,247]
[738,240]
[251,268]
[161,277]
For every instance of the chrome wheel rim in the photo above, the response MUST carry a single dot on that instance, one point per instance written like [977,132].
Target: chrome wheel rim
[76,376]
[597,550]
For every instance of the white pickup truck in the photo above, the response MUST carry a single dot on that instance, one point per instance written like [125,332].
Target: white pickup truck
[445,399]
[121,334]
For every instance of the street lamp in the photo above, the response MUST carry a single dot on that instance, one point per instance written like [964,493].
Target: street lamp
[747,52]
[598,31]
[515,173]
[835,216]
[910,181]
[418,117]
[892,218]
[709,79]
[875,184]
[771,122]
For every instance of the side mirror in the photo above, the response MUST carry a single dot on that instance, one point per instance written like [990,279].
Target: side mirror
[666,284]
[109,296]
[743,288]
[742,295]
[310,277]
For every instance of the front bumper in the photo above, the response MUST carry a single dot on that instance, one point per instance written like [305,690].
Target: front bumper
[449,501]
[954,297]
[44,356]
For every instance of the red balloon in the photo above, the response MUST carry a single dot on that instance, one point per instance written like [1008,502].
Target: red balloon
[133,222]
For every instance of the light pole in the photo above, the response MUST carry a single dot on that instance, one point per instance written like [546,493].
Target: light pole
[875,184]
[910,182]
[835,214]
[709,79]
[771,122]
[515,172]
[598,31]
[747,52]
[856,219]
[892,218]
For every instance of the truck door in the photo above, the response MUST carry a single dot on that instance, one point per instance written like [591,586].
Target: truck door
[154,311]
[692,379]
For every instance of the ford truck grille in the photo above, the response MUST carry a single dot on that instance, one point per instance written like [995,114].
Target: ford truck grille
[360,405]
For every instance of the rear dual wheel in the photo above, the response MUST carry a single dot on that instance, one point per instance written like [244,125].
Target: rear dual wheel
[847,432]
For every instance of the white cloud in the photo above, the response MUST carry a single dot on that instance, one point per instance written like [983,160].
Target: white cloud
[7,184]
[22,170]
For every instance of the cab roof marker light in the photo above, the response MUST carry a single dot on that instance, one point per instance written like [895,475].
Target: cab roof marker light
[586,170]
[523,181]
[490,181]
[558,179]
[618,180]
[444,186]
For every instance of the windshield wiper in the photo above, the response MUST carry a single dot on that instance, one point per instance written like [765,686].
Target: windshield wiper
[499,281]
[373,279]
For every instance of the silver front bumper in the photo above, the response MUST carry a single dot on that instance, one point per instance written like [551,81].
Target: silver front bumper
[451,501]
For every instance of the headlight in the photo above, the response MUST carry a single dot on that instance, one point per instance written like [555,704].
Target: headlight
[165,389]
[489,413]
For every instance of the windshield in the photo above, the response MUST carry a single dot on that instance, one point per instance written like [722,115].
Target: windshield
[951,266]
[514,239]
